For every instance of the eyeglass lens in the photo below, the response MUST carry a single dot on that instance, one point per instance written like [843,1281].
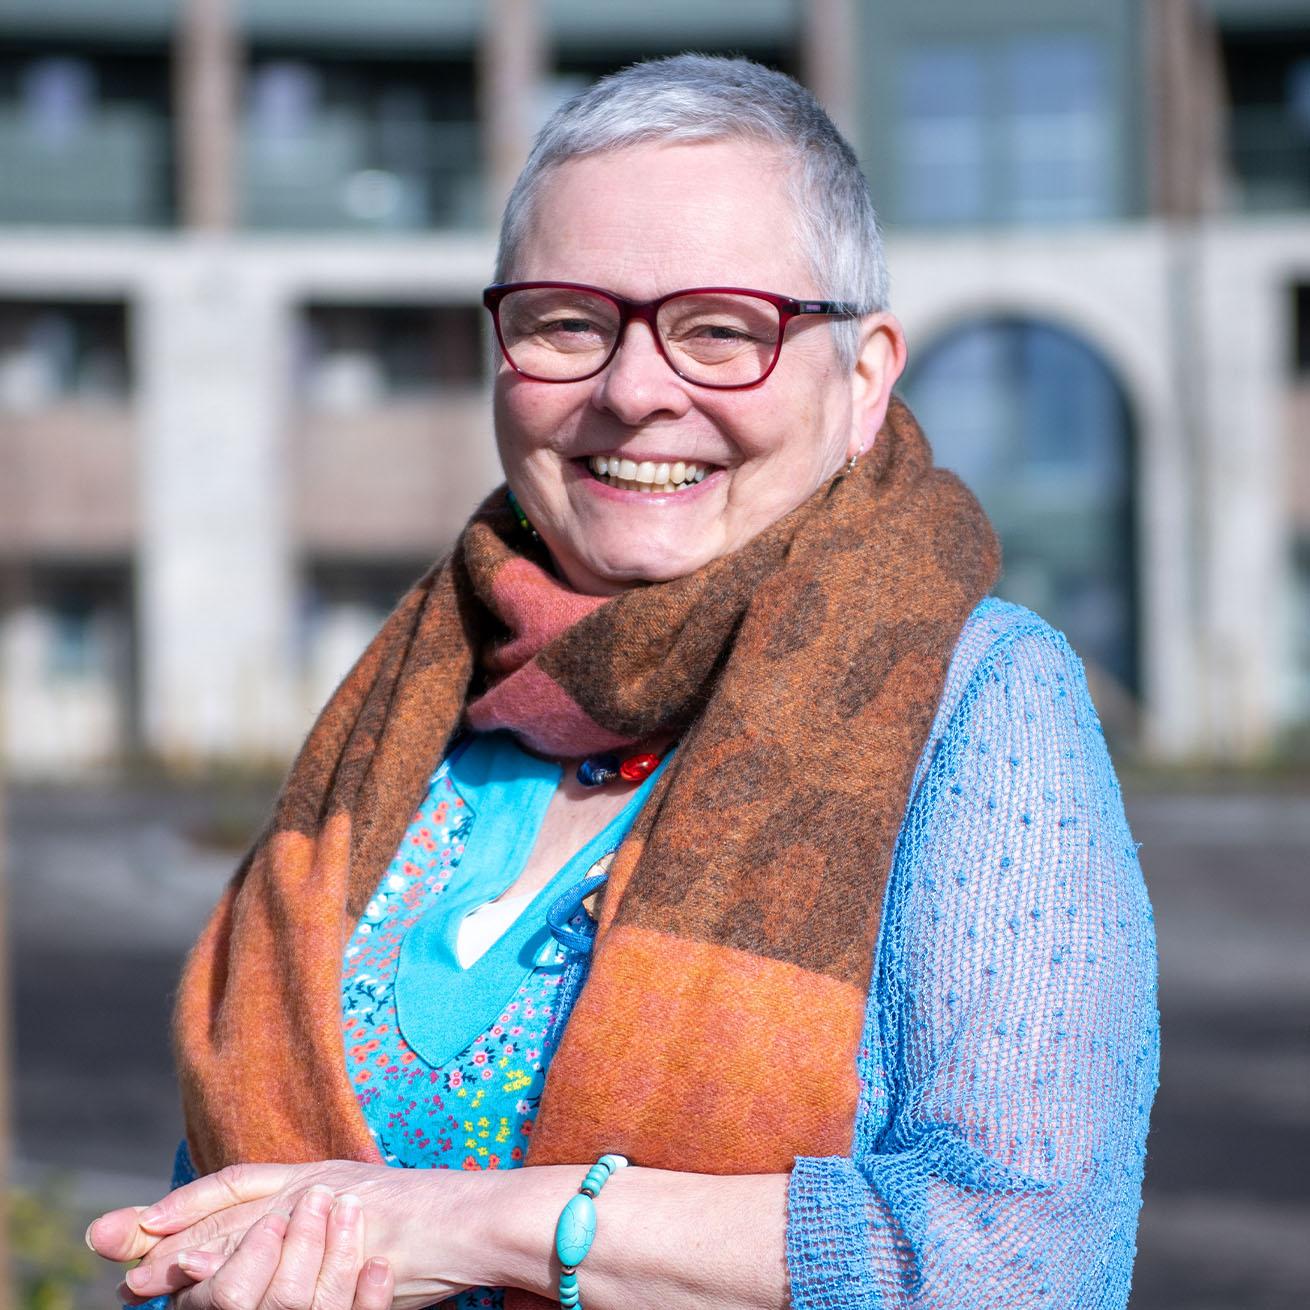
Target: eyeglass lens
[561,333]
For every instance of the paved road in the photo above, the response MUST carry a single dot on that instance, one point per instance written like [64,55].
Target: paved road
[107,888]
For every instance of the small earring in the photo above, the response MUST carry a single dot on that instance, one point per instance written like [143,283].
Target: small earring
[850,464]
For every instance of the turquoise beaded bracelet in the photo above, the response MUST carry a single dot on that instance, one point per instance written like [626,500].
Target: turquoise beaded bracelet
[576,1229]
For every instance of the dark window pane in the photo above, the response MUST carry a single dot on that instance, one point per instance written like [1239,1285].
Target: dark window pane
[353,355]
[52,351]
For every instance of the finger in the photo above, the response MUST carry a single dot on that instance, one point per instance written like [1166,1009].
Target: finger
[194,1201]
[375,1285]
[118,1236]
[242,1281]
[341,1255]
[159,1272]
[220,1231]
[187,1267]
[293,1284]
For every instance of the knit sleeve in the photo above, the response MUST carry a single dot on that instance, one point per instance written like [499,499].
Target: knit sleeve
[1011,1049]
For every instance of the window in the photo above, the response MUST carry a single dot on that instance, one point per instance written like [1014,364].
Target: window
[84,138]
[1301,330]
[1268,75]
[372,145]
[1035,423]
[356,355]
[51,352]
[1018,130]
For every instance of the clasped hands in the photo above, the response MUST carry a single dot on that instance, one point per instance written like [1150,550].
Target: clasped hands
[334,1235]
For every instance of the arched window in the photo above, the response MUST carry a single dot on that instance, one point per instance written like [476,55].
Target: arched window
[1034,421]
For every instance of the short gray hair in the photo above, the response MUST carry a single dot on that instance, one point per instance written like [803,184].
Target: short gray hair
[690,97]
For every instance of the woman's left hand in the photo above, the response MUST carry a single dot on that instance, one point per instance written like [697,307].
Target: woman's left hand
[221,1224]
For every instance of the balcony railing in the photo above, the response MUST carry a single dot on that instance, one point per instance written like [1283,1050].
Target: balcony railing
[342,174]
[111,171]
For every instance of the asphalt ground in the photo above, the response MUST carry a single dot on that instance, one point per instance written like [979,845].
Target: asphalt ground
[107,887]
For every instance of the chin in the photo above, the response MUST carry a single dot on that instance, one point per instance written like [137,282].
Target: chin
[618,571]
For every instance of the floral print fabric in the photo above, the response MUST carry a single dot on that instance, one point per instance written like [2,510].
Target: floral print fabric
[476,1111]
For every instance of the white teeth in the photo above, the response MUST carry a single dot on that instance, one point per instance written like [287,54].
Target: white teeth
[663,478]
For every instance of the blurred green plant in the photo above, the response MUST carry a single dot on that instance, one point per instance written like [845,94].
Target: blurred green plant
[50,1259]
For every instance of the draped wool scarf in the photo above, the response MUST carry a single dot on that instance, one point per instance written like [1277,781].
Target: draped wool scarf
[718,1027]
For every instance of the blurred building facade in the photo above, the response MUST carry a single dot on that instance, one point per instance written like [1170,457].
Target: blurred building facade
[243,366]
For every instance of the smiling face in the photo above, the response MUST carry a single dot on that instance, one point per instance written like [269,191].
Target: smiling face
[642,222]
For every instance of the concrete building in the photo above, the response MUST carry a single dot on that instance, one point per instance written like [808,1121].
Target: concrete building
[243,365]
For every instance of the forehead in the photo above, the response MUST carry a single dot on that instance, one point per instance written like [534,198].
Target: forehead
[649,219]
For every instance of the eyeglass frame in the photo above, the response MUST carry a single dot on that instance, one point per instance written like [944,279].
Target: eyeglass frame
[788,308]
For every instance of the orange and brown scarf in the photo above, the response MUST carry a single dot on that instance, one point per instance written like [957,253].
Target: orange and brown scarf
[718,1027]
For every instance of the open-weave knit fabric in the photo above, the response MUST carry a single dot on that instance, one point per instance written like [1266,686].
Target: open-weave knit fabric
[807,666]
[1011,1045]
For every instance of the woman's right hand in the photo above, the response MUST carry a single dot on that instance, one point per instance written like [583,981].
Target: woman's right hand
[311,1259]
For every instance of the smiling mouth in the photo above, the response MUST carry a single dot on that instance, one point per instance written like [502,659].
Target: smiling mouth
[662,478]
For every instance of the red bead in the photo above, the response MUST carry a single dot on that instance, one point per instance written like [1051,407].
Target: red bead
[637,768]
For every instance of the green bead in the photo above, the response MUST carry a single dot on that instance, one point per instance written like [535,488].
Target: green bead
[576,1229]
[613,1161]
[569,1298]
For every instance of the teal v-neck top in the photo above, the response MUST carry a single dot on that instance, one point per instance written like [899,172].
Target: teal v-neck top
[448,1062]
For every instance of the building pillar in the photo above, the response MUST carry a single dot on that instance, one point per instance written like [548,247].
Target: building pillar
[1184,84]
[512,68]
[216,577]
[830,45]
[1245,510]
[207,64]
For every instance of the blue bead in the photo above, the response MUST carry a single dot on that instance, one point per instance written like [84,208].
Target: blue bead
[576,1229]
[597,770]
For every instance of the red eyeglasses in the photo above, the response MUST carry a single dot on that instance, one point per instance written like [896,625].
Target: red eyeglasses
[723,337]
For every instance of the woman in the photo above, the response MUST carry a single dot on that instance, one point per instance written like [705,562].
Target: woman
[868,996]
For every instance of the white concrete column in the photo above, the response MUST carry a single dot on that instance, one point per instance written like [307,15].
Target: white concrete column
[1242,306]
[216,579]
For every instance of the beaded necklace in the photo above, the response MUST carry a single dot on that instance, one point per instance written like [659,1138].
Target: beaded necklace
[597,770]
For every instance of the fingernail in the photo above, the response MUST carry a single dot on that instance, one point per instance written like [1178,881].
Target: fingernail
[275,1221]
[191,1262]
[137,1278]
[318,1200]
[89,1228]
[347,1209]
[376,1271]
[152,1216]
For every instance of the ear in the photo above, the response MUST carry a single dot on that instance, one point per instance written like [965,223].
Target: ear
[880,361]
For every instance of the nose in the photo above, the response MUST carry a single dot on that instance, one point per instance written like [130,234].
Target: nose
[637,385]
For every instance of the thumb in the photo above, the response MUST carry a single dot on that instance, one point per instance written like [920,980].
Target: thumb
[118,1235]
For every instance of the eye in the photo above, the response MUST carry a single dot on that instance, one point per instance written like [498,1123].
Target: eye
[721,332]
[567,325]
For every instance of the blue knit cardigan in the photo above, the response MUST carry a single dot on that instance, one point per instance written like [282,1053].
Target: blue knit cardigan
[1011,1040]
